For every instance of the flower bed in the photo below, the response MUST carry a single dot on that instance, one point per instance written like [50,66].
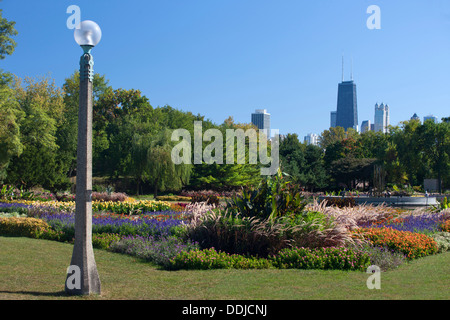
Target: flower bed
[413,245]
[200,236]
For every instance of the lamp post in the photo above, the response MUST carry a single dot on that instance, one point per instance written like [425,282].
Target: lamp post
[85,279]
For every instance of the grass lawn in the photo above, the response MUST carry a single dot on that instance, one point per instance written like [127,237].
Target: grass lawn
[36,269]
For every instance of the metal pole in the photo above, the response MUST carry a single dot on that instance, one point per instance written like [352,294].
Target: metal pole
[83,254]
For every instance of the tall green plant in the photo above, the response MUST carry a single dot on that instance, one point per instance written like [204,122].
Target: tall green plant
[274,197]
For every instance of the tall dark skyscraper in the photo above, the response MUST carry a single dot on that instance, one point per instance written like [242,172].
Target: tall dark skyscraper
[347,108]
[346,114]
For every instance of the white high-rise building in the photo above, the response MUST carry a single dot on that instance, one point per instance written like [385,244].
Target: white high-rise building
[381,123]
[312,138]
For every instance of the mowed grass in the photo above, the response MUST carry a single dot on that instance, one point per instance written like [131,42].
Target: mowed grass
[36,269]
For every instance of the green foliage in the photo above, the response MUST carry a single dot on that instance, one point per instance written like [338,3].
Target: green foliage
[208,259]
[41,103]
[273,197]
[321,258]
[23,227]
[289,258]
[304,164]
[105,240]
[7,31]
[10,115]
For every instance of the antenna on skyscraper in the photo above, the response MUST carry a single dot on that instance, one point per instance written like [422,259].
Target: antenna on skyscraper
[342,67]
[351,70]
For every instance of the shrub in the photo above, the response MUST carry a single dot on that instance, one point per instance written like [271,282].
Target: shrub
[384,258]
[442,240]
[340,202]
[23,227]
[173,198]
[274,197]
[211,259]
[338,258]
[109,196]
[413,245]
[209,199]
[105,240]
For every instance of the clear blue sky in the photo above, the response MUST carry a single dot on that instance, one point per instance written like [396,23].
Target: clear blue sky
[230,57]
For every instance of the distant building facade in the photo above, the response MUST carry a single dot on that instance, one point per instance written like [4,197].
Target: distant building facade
[261,119]
[430,117]
[347,108]
[312,138]
[415,117]
[381,123]
[365,126]
[333,119]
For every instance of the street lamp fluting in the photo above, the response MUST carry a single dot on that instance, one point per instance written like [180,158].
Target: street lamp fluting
[82,277]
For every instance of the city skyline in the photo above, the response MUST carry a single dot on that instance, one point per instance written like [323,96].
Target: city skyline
[283,57]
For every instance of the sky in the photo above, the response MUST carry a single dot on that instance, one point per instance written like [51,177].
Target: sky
[222,58]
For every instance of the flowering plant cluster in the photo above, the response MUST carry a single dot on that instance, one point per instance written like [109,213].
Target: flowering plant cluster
[289,258]
[211,259]
[340,258]
[126,207]
[413,245]
[445,226]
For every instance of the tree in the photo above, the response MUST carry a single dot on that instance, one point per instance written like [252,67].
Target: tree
[328,137]
[7,31]
[163,173]
[42,105]
[350,170]
[10,114]
[435,142]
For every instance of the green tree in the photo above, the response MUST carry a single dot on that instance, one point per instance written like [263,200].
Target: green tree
[7,31]
[435,143]
[10,114]
[42,105]
[163,173]
[328,137]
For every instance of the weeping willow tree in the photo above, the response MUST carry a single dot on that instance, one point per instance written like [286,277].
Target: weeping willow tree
[152,163]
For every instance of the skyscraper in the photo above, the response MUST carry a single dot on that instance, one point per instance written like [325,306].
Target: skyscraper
[381,118]
[347,109]
[312,138]
[365,126]
[261,119]
[333,119]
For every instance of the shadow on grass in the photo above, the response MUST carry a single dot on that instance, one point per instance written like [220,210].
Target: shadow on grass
[38,294]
